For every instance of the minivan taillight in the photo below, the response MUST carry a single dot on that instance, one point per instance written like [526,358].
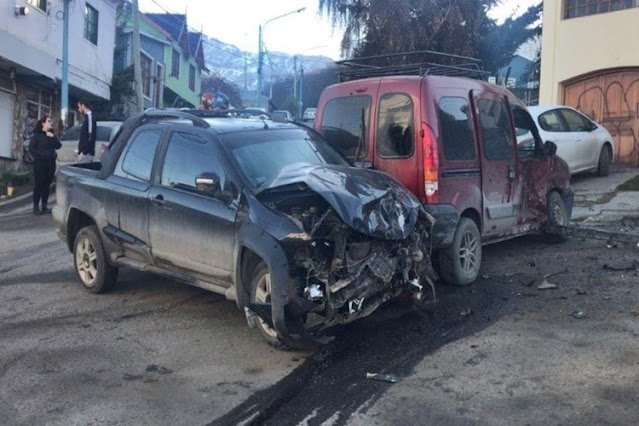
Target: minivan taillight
[431,165]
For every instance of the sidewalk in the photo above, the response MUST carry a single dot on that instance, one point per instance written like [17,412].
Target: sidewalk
[597,200]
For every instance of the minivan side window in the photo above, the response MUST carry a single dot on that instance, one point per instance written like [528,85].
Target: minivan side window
[524,132]
[342,124]
[456,124]
[395,129]
[187,157]
[496,129]
[138,160]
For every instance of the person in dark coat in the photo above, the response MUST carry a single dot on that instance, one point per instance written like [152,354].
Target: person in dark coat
[88,133]
[43,145]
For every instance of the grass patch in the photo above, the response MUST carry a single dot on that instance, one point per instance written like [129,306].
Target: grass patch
[22,183]
[630,185]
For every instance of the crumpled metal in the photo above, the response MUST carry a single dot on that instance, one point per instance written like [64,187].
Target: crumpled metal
[369,201]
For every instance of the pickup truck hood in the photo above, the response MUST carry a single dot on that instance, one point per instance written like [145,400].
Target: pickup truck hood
[368,201]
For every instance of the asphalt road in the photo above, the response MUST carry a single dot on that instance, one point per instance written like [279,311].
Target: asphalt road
[500,351]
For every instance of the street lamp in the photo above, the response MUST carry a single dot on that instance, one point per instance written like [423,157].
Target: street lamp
[300,102]
[260,51]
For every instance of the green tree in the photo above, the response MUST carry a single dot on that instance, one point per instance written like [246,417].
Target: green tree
[460,27]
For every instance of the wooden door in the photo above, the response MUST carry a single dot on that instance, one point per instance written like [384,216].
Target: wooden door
[611,99]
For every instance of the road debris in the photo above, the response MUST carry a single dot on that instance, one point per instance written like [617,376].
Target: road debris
[622,266]
[581,292]
[579,313]
[389,378]
[545,285]
[465,312]
[153,368]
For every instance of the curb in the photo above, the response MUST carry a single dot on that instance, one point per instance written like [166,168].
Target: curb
[8,205]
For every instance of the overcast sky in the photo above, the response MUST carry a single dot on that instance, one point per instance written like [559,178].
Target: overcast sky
[236,22]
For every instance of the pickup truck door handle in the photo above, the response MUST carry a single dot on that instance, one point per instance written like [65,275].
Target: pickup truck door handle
[159,200]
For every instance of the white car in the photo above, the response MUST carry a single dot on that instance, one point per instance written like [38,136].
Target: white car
[105,131]
[309,114]
[282,114]
[582,143]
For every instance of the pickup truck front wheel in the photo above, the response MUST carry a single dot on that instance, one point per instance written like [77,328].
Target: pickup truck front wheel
[261,294]
[460,262]
[91,266]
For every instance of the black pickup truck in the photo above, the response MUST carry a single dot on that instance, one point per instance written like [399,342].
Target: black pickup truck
[266,213]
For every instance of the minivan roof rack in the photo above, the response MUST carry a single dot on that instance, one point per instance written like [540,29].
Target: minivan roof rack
[429,63]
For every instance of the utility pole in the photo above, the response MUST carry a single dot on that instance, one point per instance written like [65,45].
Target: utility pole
[260,59]
[137,70]
[295,79]
[245,70]
[301,101]
[64,96]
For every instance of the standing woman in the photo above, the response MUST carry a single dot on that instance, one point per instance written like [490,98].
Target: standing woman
[43,145]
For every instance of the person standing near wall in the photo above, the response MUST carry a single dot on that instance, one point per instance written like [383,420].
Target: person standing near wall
[86,144]
[43,145]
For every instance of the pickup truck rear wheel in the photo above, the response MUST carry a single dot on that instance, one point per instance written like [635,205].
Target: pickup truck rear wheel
[91,265]
[460,262]
[261,293]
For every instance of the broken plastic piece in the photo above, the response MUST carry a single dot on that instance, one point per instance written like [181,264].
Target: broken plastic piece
[355,305]
[578,313]
[545,285]
[465,312]
[251,317]
[313,292]
[382,377]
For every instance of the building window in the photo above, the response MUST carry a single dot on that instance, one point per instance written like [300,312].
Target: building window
[146,63]
[40,4]
[91,24]
[578,8]
[192,77]
[175,64]
[38,105]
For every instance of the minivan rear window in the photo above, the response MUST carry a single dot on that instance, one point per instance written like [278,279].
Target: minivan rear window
[395,129]
[342,124]
[457,134]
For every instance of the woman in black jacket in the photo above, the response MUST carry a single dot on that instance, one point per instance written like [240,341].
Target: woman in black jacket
[43,145]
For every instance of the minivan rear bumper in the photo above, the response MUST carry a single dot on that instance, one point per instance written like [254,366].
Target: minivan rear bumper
[446,218]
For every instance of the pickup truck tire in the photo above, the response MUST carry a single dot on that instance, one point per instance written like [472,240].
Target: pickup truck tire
[557,215]
[603,167]
[460,262]
[91,265]
[261,293]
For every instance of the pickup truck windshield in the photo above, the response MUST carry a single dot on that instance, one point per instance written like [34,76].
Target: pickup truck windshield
[261,155]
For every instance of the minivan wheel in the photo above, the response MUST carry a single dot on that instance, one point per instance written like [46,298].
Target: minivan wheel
[261,293]
[460,262]
[603,168]
[91,266]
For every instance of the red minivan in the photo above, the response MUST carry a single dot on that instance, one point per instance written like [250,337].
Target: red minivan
[462,146]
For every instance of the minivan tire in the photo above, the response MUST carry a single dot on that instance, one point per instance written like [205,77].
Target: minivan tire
[603,167]
[460,262]
[261,293]
[91,265]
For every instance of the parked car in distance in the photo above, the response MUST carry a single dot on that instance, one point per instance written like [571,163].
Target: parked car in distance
[582,143]
[282,114]
[264,212]
[451,141]
[69,140]
[309,114]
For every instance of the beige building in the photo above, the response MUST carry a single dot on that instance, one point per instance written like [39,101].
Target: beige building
[590,61]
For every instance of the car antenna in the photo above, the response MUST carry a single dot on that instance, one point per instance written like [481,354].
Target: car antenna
[361,139]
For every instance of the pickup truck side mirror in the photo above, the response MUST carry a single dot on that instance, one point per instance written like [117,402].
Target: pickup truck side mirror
[209,183]
[550,148]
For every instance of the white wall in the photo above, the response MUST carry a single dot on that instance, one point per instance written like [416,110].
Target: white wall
[577,46]
[35,41]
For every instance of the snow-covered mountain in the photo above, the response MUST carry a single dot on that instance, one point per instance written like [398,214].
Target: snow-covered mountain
[240,68]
